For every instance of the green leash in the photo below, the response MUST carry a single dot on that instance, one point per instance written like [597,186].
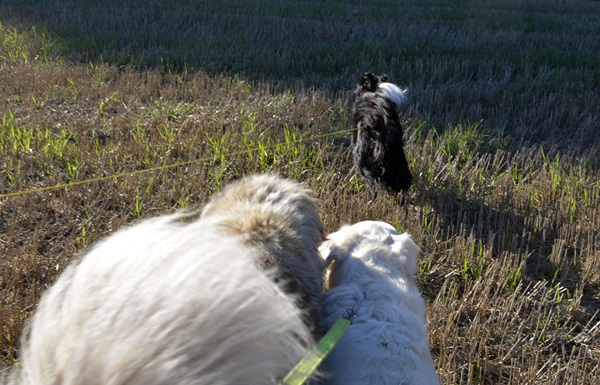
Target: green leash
[306,367]
[303,370]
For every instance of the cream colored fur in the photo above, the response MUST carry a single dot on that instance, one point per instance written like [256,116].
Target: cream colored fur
[279,218]
[372,266]
[177,300]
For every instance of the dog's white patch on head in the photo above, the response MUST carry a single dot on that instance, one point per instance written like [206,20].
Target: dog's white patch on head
[394,93]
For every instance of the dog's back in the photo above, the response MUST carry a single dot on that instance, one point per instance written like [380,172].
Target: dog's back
[279,218]
[164,302]
[373,268]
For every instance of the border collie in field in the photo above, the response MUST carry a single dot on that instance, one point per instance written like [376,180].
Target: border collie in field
[279,218]
[378,149]
[187,301]
[372,268]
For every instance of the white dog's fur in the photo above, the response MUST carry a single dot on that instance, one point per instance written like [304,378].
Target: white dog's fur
[175,300]
[373,268]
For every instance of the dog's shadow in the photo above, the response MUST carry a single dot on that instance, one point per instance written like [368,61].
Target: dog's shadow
[504,229]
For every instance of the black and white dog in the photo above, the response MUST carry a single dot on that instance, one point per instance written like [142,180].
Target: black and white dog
[378,148]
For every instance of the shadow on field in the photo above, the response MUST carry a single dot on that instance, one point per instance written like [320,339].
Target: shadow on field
[549,250]
[523,69]
[283,42]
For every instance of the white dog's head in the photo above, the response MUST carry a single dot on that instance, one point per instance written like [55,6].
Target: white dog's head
[369,241]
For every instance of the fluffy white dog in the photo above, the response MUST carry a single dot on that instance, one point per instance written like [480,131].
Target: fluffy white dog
[176,300]
[372,268]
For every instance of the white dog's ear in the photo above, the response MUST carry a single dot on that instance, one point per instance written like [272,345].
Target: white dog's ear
[408,251]
[331,258]
[331,266]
